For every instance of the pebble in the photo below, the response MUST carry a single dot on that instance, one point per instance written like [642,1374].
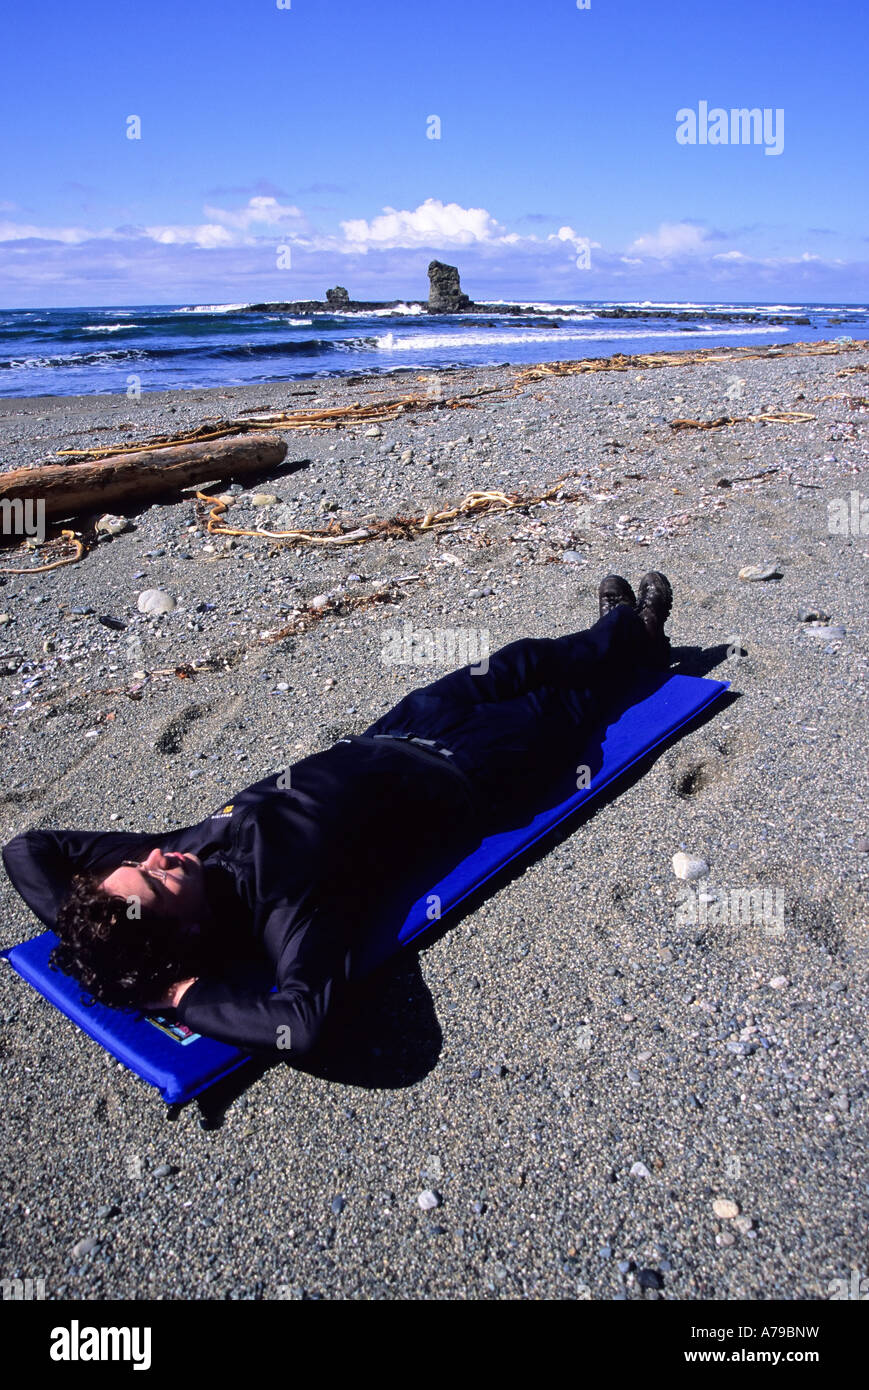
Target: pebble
[725,1238]
[633,1074]
[338,1205]
[164,1170]
[755,572]
[649,1279]
[263,499]
[573,557]
[84,1246]
[639,1170]
[809,613]
[154,601]
[110,525]
[428,1200]
[725,1209]
[779,982]
[743,1224]
[319,602]
[109,1210]
[687,868]
[374,432]
[861,844]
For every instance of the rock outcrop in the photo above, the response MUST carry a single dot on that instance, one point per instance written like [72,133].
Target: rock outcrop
[338,298]
[445,292]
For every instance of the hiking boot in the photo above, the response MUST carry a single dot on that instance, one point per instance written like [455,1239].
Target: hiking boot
[653,606]
[614,590]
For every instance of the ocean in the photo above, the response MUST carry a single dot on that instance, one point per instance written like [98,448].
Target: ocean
[143,348]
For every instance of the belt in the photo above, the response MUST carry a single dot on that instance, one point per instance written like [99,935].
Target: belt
[429,743]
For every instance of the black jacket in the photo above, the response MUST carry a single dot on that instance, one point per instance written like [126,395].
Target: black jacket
[310,875]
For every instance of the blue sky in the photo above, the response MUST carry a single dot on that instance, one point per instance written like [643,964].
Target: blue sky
[307,128]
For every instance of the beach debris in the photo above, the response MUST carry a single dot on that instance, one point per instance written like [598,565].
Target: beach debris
[725,1209]
[753,573]
[66,537]
[155,601]
[772,417]
[473,504]
[685,867]
[142,473]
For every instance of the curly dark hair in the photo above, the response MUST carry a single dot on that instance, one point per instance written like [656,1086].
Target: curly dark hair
[120,960]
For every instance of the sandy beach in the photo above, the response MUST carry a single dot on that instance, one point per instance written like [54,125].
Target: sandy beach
[577,1070]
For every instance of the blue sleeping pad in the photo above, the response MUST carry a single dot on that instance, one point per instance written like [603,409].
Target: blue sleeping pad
[181,1064]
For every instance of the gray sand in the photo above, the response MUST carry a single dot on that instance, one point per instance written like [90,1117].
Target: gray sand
[574,1025]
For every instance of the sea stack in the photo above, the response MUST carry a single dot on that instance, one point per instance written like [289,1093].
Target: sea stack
[445,293]
[338,298]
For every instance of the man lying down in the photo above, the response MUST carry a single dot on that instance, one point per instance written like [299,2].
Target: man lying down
[292,874]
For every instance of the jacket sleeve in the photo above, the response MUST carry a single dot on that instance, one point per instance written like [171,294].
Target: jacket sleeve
[311,976]
[41,863]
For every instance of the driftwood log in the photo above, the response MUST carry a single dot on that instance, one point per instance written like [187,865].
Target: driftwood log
[67,489]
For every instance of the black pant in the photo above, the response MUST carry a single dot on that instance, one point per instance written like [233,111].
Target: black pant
[522,722]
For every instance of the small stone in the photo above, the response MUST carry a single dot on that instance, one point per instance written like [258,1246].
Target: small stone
[573,557]
[338,1205]
[84,1246]
[624,1266]
[756,572]
[605,1252]
[725,1238]
[109,1210]
[164,1170]
[428,1200]
[649,1279]
[154,601]
[263,499]
[779,982]
[639,1170]
[374,432]
[725,1209]
[109,525]
[634,1075]
[687,868]
[810,613]
[861,844]
[743,1224]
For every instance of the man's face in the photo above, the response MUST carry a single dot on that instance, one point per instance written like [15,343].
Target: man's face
[170,884]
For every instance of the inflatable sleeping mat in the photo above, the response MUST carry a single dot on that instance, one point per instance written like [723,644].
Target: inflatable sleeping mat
[181,1064]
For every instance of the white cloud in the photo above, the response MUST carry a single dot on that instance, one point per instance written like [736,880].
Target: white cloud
[260,211]
[207,235]
[672,239]
[433,224]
